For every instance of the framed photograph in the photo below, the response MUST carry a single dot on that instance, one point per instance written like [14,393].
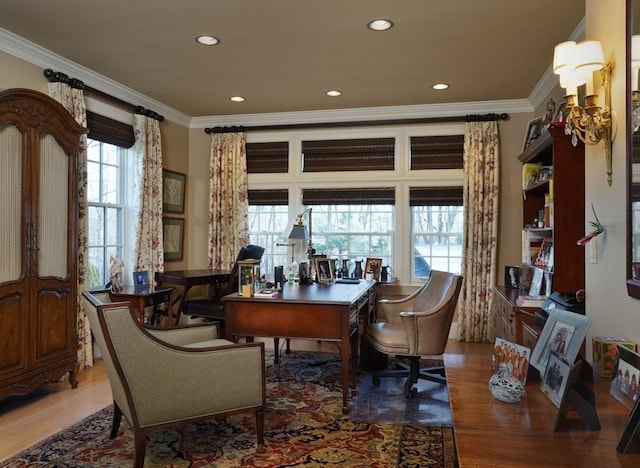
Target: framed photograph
[556,376]
[515,355]
[561,112]
[512,276]
[630,434]
[173,237]
[173,190]
[141,279]
[534,130]
[375,265]
[536,282]
[563,333]
[625,384]
[325,272]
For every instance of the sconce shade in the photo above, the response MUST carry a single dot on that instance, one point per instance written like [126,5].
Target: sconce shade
[589,57]
[563,56]
[299,231]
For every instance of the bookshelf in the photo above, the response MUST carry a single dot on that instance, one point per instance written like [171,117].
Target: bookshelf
[549,246]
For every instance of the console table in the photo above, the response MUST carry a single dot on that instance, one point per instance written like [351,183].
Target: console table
[332,312]
[489,432]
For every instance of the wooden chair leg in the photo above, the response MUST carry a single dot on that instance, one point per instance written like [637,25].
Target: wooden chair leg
[140,442]
[117,418]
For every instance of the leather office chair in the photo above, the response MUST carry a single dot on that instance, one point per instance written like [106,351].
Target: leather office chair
[147,368]
[414,326]
[212,307]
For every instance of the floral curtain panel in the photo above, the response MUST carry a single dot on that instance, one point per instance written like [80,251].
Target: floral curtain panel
[149,253]
[73,100]
[229,206]
[480,194]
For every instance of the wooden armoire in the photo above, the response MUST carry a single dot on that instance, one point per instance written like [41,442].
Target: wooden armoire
[39,144]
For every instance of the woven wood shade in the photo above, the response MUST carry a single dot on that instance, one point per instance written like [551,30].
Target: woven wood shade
[338,196]
[435,196]
[437,152]
[108,130]
[269,197]
[363,154]
[265,158]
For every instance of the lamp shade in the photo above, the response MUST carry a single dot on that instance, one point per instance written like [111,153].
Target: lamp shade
[299,231]
[563,56]
[589,57]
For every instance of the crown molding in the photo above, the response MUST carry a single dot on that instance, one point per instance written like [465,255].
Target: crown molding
[367,113]
[37,55]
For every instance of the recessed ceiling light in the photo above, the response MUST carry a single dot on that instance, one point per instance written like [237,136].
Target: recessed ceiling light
[379,25]
[237,99]
[334,93]
[440,86]
[207,40]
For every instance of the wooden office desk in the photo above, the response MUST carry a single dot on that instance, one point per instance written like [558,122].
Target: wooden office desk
[322,312]
[141,298]
[190,278]
[491,433]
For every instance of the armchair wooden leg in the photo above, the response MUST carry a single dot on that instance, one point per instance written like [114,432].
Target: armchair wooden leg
[117,418]
[140,442]
[260,429]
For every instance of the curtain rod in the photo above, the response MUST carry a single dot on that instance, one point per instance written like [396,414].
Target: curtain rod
[361,123]
[54,77]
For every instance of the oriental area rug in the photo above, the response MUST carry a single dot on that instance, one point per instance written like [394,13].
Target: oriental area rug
[304,426]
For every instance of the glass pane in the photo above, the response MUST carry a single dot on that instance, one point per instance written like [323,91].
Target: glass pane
[93,150]
[110,184]
[95,234]
[110,154]
[96,271]
[113,226]
[93,182]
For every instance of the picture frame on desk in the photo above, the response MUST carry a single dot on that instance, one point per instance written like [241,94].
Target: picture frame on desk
[555,379]
[626,373]
[631,433]
[324,270]
[140,279]
[375,265]
[512,276]
[563,333]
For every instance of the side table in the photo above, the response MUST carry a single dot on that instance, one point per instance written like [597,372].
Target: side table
[147,297]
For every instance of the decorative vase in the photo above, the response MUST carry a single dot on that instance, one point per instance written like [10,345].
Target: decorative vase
[345,268]
[504,386]
[358,271]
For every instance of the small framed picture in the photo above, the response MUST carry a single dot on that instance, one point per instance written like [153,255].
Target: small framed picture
[556,376]
[141,279]
[631,434]
[325,272]
[563,333]
[173,238]
[173,190]
[512,276]
[534,130]
[515,355]
[625,385]
[374,265]
[561,112]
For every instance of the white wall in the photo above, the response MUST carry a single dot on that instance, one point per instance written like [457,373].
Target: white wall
[613,312]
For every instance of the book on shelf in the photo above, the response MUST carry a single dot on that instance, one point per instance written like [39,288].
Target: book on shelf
[530,301]
[267,293]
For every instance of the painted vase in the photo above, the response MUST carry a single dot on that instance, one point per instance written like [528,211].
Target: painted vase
[504,386]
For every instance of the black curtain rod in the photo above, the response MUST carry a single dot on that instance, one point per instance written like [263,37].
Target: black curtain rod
[54,77]
[362,123]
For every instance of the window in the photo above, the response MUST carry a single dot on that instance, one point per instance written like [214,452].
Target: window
[436,230]
[268,218]
[352,223]
[105,208]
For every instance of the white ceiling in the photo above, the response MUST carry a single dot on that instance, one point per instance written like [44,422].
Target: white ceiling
[283,55]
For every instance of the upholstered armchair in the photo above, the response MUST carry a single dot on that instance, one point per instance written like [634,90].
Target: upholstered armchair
[414,326]
[169,377]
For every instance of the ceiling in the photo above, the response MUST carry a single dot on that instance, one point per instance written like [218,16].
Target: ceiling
[283,55]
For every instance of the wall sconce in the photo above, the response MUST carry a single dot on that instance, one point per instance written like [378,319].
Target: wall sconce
[576,63]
